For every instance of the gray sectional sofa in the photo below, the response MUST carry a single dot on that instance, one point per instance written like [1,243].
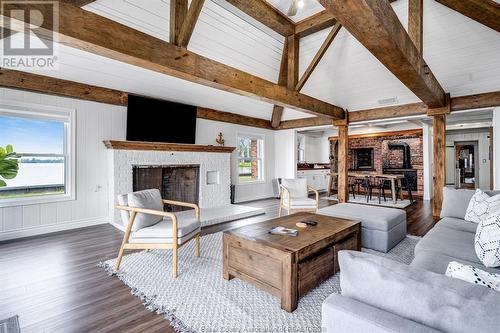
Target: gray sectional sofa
[381,295]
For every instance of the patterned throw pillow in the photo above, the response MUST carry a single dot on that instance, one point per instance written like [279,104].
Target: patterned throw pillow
[487,240]
[481,205]
[473,275]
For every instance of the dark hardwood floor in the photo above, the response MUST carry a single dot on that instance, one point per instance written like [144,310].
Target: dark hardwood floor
[53,283]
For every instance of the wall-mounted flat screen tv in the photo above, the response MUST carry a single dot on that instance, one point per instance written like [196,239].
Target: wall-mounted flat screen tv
[155,120]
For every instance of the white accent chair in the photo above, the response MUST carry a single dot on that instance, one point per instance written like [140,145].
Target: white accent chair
[148,226]
[295,196]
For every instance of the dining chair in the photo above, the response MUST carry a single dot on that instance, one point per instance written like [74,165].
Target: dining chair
[407,184]
[295,196]
[373,182]
[148,226]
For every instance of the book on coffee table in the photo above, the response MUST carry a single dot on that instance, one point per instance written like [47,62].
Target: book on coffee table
[283,231]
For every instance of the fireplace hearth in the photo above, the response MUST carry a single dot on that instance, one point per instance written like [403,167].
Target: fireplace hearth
[175,182]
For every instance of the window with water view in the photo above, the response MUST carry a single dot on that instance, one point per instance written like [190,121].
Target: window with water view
[250,158]
[41,145]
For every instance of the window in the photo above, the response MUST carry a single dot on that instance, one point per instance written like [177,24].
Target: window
[43,139]
[250,158]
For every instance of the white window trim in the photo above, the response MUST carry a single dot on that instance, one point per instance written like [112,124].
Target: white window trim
[36,110]
[263,178]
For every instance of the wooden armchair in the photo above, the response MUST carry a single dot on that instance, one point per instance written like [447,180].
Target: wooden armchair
[149,227]
[295,196]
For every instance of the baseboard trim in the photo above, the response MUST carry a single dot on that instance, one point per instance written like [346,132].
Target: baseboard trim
[254,198]
[51,228]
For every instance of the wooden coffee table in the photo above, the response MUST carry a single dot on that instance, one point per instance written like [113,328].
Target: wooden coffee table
[286,266]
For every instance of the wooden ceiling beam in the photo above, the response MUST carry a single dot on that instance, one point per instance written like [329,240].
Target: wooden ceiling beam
[90,32]
[266,14]
[486,12]
[233,118]
[178,13]
[469,102]
[53,86]
[282,81]
[292,76]
[375,25]
[416,23]
[189,23]
[79,3]
[476,101]
[319,55]
[315,23]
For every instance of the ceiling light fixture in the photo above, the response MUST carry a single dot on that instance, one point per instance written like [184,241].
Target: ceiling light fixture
[300,4]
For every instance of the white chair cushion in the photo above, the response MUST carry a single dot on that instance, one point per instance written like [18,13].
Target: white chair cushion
[301,203]
[296,187]
[187,226]
[149,199]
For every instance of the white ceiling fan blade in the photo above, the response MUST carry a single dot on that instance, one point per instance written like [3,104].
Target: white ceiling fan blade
[294,6]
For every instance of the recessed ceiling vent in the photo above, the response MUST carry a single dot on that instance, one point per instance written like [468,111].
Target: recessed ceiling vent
[387,101]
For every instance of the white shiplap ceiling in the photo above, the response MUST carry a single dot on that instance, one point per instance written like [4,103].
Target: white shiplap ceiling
[463,54]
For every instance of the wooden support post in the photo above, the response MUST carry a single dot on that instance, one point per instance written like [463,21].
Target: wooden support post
[343,154]
[439,155]
[439,144]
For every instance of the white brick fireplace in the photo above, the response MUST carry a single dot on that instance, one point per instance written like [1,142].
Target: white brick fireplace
[215,170]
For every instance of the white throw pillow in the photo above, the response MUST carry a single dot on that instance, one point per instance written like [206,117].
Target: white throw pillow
[473,275]
[481,205]
[487,240]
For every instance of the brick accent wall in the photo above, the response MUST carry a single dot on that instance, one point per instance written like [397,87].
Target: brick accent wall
[385,158]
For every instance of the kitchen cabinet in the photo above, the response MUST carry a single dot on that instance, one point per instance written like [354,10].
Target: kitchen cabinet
[316,178]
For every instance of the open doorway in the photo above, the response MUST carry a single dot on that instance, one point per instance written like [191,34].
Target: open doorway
[466,166]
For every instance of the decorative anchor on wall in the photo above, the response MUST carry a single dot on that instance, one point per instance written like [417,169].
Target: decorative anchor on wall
[220,139]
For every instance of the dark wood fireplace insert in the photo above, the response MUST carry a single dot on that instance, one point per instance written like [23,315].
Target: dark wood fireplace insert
[175,182]
[363,159]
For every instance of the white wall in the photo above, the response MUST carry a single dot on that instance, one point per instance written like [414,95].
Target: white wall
[286,153]
[317,149]
[496,148]
[428,160]
[95,122]
[206,133]
[483,162]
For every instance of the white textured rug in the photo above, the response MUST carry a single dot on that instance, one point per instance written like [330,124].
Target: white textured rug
[200,300]
[361,199]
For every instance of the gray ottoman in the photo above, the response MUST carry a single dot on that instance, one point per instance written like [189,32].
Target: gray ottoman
[381,228]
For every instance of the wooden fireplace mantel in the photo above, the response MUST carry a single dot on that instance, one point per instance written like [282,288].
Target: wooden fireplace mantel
[159,146]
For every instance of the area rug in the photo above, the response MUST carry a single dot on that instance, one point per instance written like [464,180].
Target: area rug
[361,199]
[200,300]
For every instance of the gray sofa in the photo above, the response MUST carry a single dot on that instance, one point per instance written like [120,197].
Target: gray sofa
[381,295]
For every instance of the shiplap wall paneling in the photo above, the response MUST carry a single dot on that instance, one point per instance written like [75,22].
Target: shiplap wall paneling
[94,123]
